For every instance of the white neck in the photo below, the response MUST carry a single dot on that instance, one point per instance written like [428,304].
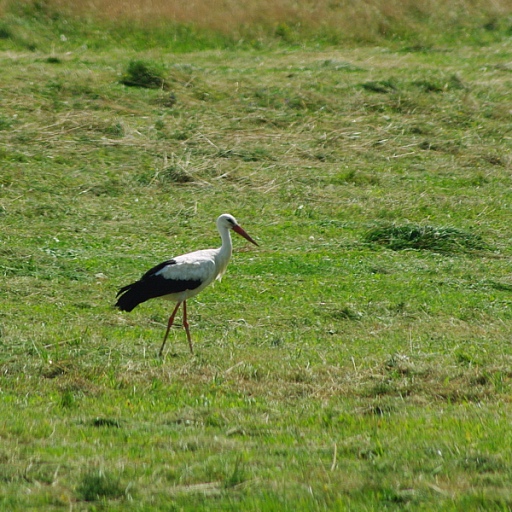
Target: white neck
[224,252]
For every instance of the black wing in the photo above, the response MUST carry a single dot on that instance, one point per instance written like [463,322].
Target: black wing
[152,285]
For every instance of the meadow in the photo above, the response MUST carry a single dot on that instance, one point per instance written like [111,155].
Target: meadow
[359,359]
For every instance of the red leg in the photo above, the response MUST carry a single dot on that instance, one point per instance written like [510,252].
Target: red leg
[169,325]
[185,324]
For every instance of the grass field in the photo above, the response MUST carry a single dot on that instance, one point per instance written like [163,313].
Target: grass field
[359,359]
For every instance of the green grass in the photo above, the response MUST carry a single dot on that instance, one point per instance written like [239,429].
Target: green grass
[359,359]
[440,239]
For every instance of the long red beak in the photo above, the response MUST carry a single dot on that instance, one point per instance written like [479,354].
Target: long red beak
[241,232]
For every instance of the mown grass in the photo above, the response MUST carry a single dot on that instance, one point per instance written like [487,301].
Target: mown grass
[334,370]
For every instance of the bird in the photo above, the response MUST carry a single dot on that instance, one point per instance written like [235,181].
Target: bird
[182,277]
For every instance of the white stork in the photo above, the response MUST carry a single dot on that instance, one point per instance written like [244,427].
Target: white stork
[184,276]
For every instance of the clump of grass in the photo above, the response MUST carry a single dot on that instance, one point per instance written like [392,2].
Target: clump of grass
[428,85]
[237,476]
[430,238]
[5,31]
[176,174]
[504,287]
[340,65]
[115,130]
[356,178]
[5,123]
[97,485]
[105,422]
[344,313]
[168,101]
[247,155]
[380,86]
[144,74]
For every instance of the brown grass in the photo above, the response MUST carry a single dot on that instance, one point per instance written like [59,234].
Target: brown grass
[348,18]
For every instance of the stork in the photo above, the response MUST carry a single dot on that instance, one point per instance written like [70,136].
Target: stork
[183,277]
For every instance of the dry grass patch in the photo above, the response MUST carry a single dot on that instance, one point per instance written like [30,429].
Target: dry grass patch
[252,21]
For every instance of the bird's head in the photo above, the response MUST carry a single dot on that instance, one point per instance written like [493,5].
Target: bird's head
[227,221]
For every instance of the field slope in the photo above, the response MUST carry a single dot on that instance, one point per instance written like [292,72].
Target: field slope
[358,359]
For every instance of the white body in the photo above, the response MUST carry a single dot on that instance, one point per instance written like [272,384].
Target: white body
[205,265]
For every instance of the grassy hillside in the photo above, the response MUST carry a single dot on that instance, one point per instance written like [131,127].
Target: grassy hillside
[359,359]
[187,26]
